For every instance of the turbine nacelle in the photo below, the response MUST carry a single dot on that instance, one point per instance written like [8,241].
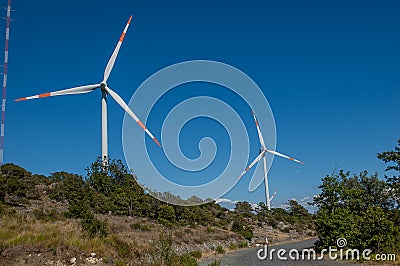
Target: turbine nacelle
[103,87]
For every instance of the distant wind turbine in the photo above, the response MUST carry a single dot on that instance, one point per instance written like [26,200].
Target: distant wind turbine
[263,151]
[105,90]
[273,195]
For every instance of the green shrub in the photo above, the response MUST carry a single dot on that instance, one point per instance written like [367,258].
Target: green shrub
[187,260]
[195,254]
[140,226]
[47,216]
[215,263]
[285,230]
[120,263]
[166,215]
[243,244]
[124,249]
[244,230]
[233,245]
[94,227]
[178,234]
[220,250]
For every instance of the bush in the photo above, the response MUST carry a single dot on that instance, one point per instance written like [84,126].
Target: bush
[120,263]
[140,226]
[285,230]
[233,245]
[187,260]
[47,216]
[124,249]
[243,244]
[220,250]
[94,227]
[195,254]
[178,234]
[215,263]
[166,215]
[244,230]
[161,251]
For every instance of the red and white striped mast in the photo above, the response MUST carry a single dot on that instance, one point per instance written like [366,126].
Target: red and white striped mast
[3,101]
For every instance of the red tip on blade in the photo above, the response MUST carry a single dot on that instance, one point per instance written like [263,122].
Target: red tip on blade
[141,124]
[129,21]
[301,162]
[43,95]
[156,141]
[252,111]
[121,39]
[20,99]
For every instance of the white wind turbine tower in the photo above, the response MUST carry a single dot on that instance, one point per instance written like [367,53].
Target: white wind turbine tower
[105,90]
[263,151]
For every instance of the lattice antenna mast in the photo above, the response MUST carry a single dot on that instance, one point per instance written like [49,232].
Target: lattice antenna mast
[3,101]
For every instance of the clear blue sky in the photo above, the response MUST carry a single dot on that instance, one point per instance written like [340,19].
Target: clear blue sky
[329,69]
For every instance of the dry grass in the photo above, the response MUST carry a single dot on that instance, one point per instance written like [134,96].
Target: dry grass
[23,234]
[131,239]
[55,236]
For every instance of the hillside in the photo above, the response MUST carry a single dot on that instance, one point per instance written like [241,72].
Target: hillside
[107,219]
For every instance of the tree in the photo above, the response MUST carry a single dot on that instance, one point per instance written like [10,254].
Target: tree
[166,214]
[240,226]
[358,208]
[14,184]
[392,158]
[329,198]
[296,210]
[357,192]
[68,186]
[243,207]
[115,189]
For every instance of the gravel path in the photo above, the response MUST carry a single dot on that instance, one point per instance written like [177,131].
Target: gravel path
[249,256]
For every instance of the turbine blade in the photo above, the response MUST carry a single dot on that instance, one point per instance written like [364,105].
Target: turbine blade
[124,106]
[284,156]
[253,163]
[260,137]
[273,195]
[111,61]
[75,90]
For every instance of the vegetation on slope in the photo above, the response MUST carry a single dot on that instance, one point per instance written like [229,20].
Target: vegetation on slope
[84,213]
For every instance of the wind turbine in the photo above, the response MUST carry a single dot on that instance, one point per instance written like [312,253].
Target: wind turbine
[105,91]
[263,151]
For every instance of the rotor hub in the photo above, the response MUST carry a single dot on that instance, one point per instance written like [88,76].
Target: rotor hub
[103,86]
